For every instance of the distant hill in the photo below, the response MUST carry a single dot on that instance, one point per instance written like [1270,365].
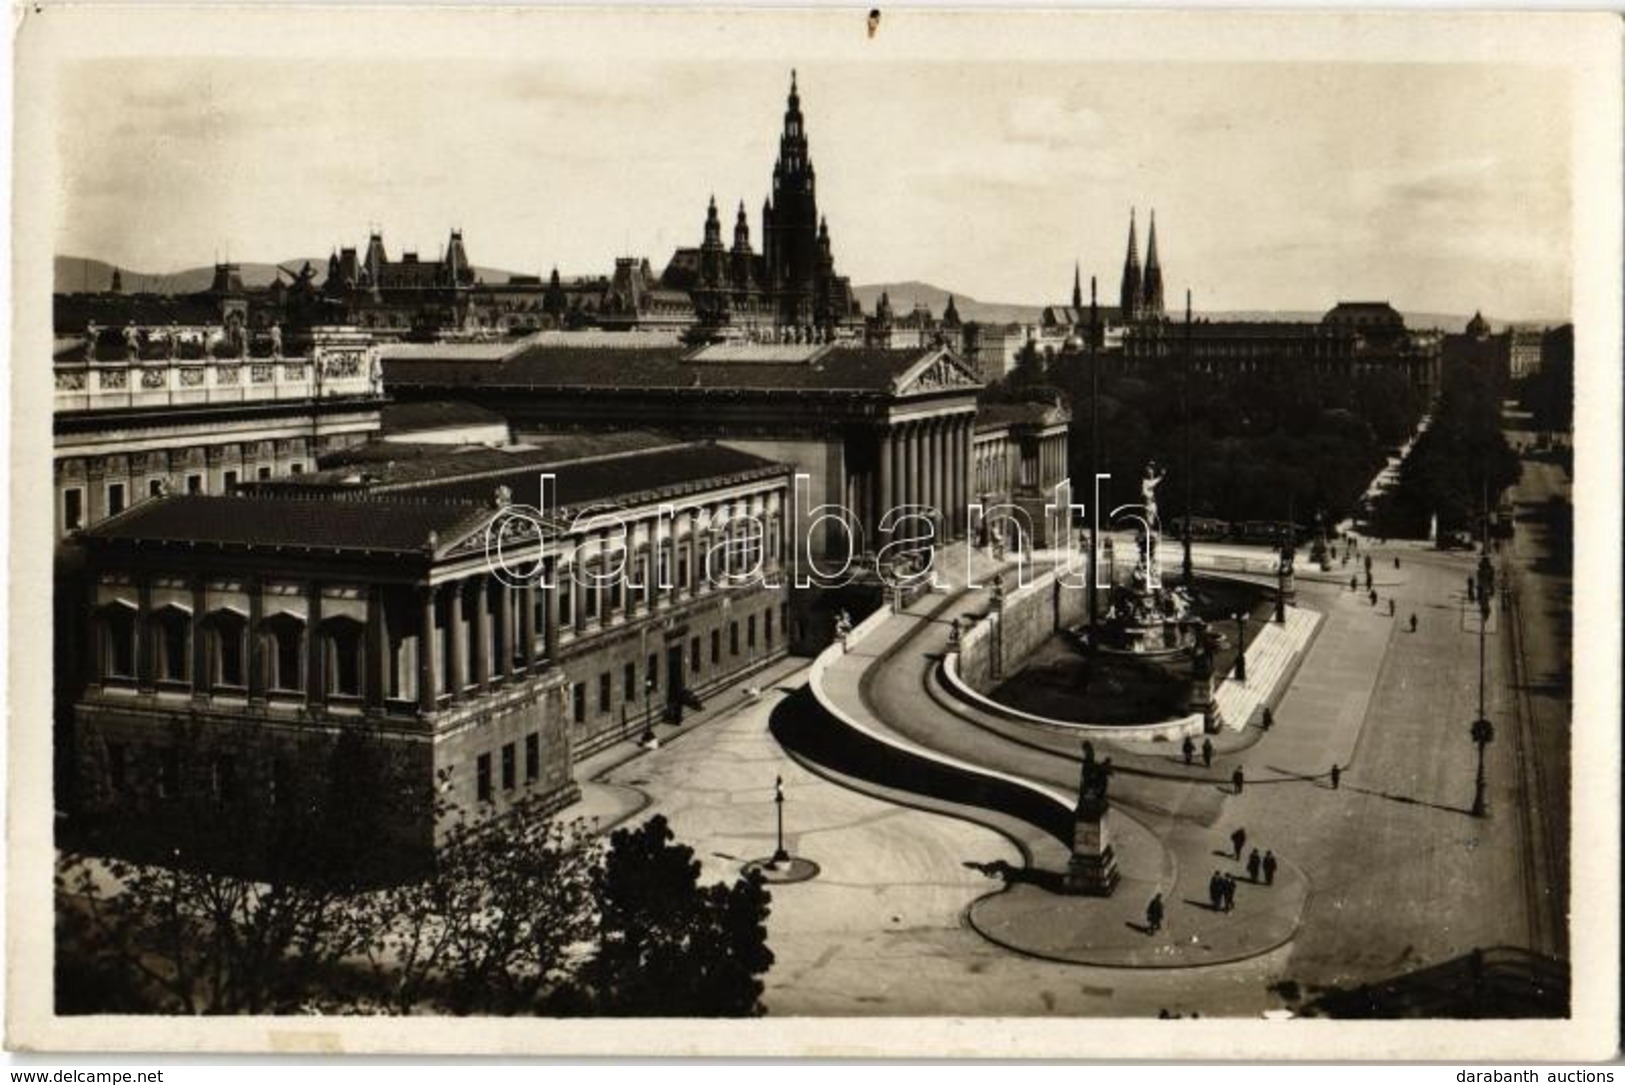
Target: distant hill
[79,274]
[904,295]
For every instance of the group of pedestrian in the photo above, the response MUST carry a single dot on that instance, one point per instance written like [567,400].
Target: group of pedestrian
[1188,748]
[1221,891]
[1261,866]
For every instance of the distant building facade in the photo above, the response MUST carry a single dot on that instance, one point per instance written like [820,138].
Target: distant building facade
[790,292]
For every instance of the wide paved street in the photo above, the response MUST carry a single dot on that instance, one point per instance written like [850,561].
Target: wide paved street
[1401,878]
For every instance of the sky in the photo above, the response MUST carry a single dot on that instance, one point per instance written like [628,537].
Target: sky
[1276,185]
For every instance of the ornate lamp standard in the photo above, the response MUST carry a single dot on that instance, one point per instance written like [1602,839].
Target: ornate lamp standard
[648,710]
[779,854]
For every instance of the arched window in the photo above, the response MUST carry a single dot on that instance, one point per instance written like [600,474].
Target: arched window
[284,643]
[342,638]
[227,645]
[118,645]
[172,644]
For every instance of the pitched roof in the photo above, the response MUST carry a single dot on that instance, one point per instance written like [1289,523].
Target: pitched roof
[372,526]
[435,414]
[994,415]
[841,369]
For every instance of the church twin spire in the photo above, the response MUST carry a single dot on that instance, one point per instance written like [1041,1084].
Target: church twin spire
[1141,295]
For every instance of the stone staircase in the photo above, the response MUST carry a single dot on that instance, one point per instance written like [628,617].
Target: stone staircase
[1272,658]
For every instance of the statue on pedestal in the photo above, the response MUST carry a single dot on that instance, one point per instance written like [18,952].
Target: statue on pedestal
[132,342]
[92,333]
[1092,870]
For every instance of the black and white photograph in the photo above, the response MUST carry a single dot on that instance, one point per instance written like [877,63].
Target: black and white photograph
[902,532]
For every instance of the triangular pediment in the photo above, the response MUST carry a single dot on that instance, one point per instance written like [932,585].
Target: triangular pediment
[937,371]
[521,527]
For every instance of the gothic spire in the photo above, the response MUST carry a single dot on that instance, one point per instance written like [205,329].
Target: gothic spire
[1077,287]
[1153,306]
[1133,282]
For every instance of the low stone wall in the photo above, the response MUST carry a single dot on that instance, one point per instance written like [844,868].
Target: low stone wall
[1052,602]
[1031,614]
[903,764]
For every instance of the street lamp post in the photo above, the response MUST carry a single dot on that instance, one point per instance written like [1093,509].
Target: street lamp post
[779,854]
[1094,462]
[648,710]
[1187,569]
[1241,646]
[1483,732]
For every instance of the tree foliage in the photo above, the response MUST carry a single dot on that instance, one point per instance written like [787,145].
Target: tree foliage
[518,915]
[668,945]
[1260,441]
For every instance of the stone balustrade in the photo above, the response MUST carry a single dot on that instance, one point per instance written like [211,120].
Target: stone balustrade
[122,384]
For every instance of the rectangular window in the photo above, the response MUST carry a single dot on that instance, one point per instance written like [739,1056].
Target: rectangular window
[155,486]
[533,758]
[665,566]
[264,473]
[73,509]
[296,469]
[653,674]
[510,768]
[229,638]
[589,597]
[169,772]
[733,638]
[194,484]
[564,592]
[629,682]
[682,567]
[614,594]
[750,632]
[603,692]
[115,498]
[229,480]
[694,655]
[579,702]
[767,626]
[115,766]
[482,777]
[716,647]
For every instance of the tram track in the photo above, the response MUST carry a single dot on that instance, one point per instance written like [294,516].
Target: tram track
[1539,859]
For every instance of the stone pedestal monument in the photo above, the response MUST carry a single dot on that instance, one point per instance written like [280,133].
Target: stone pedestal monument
[1201,699]
[1092,870]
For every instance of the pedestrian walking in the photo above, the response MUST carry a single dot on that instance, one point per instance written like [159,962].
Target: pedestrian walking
[1354,583]
[1373,597]
[1268,719]
[1396,561]
[1238,840]
[1368,565]
[1153,915]
[1238,779]
[1188,749]
[1337,777]
[1229,893]
[1269,867]
[1472,590]
[1207,753]
[1413,623]
[1255,863]
[1215,891]
[1390,608]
